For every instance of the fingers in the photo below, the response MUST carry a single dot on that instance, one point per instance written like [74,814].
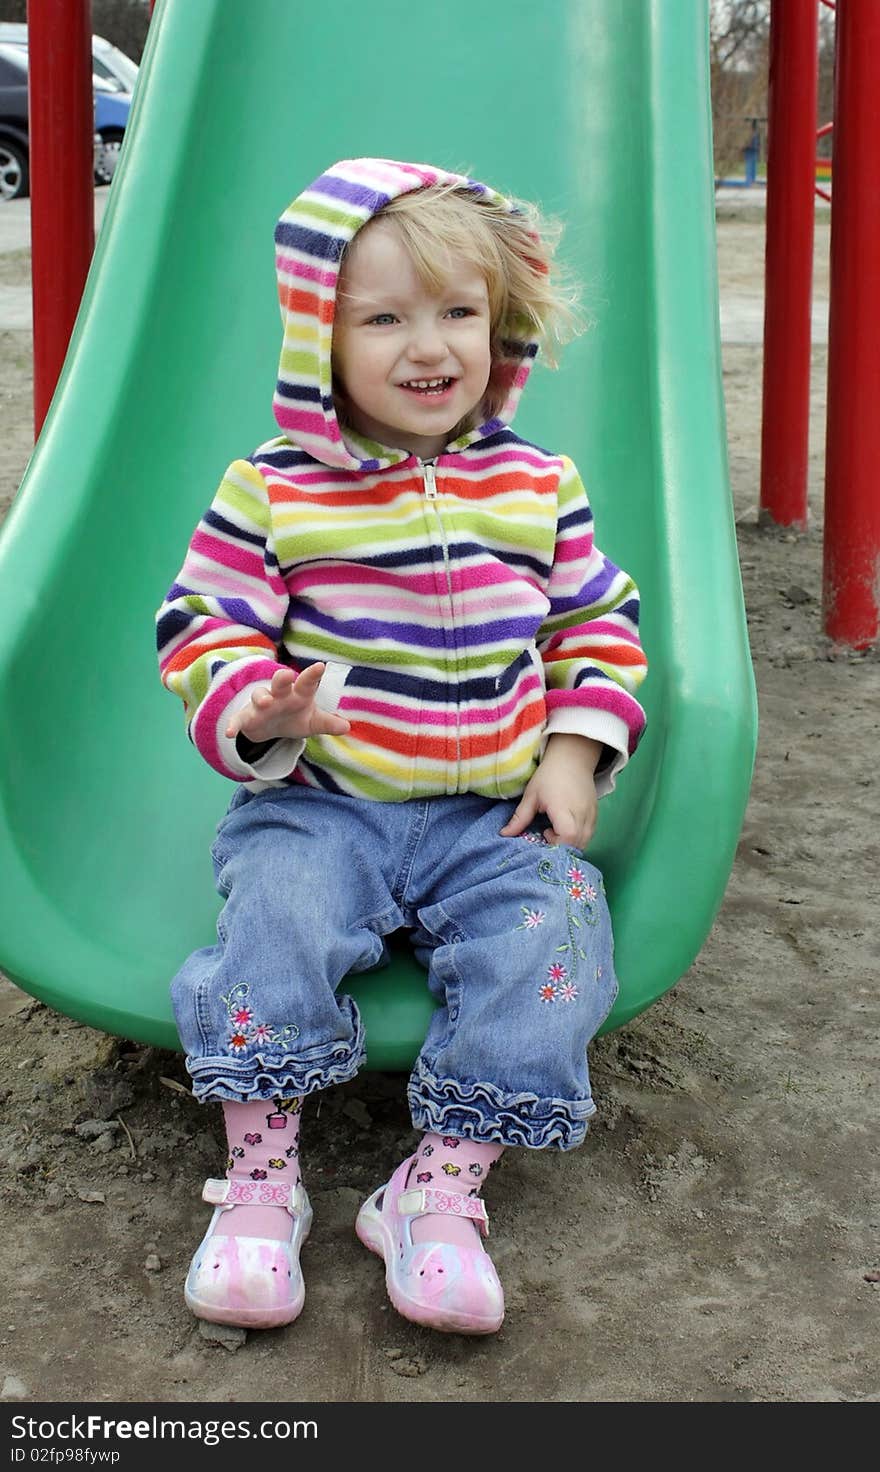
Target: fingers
[282,682]
[251,718]
[286,707]
[308,681]
[570,829]
[566,826]
[522,815]
[325,723]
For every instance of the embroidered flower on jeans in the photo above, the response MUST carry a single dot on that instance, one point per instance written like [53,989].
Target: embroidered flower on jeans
[423,1176]
[245,1032]
[568,991]
[475,1169]
[547,992]
[531,918]
[557,971]
[278,1165]
[253,1139]
[450,1142]
[258,1175]
[451,1170]
[579,911]
[578,878]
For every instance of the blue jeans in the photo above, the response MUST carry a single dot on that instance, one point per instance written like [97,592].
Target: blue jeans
[514,933]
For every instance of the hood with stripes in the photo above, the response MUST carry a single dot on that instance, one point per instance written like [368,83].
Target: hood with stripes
[310,239]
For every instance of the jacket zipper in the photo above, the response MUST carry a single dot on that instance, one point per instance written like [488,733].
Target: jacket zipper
[429,476]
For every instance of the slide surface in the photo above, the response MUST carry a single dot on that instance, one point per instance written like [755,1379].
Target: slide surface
[598,109]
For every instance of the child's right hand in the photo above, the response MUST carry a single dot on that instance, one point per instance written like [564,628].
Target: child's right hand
[287,709]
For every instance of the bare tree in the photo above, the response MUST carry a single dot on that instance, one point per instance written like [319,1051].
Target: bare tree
[825,106]
[739,36]
[738,32]
[124,22]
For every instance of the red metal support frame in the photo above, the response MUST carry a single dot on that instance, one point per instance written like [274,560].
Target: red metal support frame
[62,161]
[851,573]
[791,153]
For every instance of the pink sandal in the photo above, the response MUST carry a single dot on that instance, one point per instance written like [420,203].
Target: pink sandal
[447,1287]
[253,1282]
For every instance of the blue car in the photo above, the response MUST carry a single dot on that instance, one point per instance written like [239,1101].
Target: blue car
[113,79]
[111,116]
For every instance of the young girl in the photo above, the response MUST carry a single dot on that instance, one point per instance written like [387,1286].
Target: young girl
[394,631]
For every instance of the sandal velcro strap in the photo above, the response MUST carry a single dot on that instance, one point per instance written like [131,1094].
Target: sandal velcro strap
[254,1193]
[428,1201]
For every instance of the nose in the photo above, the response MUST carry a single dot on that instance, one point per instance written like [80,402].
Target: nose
[427,343]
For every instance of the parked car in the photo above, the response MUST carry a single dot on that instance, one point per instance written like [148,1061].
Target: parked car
[14,174]
[111,118]
[111,64]
[113,79]
[108,62]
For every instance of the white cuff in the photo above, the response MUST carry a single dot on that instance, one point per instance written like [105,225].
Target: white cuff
[278,762]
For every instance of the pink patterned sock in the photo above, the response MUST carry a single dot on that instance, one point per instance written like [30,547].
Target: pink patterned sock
[263,1138]
[446,1163]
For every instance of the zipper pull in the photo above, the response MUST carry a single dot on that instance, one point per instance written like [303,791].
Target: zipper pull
[430,480]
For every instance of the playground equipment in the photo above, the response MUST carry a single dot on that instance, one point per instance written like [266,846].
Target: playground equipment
[106,813]
[791,151]
[751,155]
[851,589]
[823,165]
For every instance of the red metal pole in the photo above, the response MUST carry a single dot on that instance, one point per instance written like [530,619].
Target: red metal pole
[62,130]
[788,269]
[851,575]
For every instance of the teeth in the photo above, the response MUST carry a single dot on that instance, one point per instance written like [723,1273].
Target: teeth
[426,382]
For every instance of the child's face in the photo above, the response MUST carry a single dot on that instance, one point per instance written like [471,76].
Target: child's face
[390,332]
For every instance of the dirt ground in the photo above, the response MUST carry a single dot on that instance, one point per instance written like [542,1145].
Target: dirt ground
[717,1237]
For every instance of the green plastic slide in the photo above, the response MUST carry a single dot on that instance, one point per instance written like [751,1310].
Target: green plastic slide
[599,109]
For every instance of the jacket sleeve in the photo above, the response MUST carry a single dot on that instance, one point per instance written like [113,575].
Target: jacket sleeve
[220,626]
[589,641]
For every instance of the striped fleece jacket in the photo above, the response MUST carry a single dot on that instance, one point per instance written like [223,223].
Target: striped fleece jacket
[460,604]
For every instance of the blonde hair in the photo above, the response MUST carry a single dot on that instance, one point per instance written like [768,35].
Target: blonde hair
[531,294]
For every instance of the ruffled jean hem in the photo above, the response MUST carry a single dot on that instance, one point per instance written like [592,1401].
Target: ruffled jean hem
[261,1077]
[480,1111]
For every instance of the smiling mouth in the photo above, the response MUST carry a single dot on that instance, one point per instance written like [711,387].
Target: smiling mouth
[428,387]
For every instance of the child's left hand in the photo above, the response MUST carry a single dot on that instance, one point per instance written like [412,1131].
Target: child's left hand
[564,788]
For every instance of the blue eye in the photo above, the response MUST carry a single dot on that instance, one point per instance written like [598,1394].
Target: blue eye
[463,311]
[381,318]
